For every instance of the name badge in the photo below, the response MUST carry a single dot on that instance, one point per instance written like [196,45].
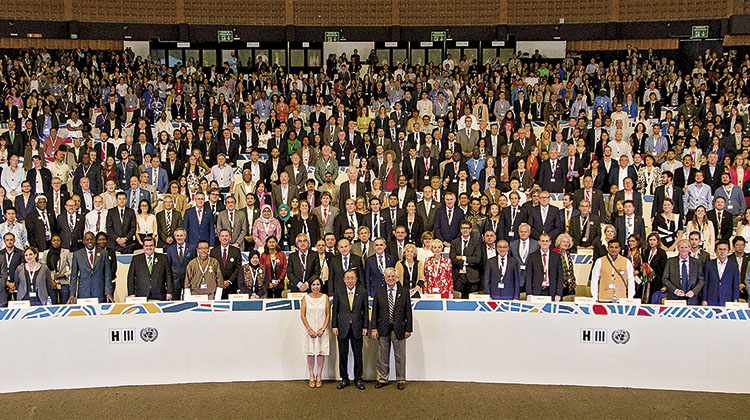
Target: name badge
[204,286]
[622,272]
[511,234]
[729,206]
[501,285]
[522,267]
[611,285]
[32,294]
[426,177]
[455,180]
[552,179]
[584,239]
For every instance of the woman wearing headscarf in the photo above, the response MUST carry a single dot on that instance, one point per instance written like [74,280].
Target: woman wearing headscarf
[266,225]
[285,223]
[252,279]
[59,261]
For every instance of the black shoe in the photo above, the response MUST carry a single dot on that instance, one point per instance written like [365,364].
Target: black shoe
[380,385]
[360,386]
[401,386]
[342,385]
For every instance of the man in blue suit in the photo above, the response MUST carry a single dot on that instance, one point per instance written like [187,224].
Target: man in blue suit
[721,279]
[617,174]
[379,225]
[180,253]
[502,278]
[375,267]
[448,219]
[136,194]
[157,176]
[90,276]
[199,228]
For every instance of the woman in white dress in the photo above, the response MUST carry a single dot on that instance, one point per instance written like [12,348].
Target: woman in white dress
[315,313]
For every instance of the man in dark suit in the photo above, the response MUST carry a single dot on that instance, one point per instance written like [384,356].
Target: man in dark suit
[229,146]
[594,196]
[392,319]
[721,219]
[466,256]
[545,218]
[544,274]
[626,169]
[426,168]
[448,219]
[90,273]
[350,322]
[347,218]
[629,193]
[511,218]
[376,265]
[453,168]
[377,221]
[13,140]
[230,262]
[302,268]
[318,116]
[150,274]
[167,221]
[667,190]
[121,225]
[311,195]
[427,208]
[70,225]
[352,188]
[552,173]
[393,213]
[40,225]
[686,175]
[180,253]
[342,149]
[404,193]
[109,149]
[683,276]
[36,172]
[712,171]
[585,228]
[720,288]
[742,259]
[629,224]
[173,166]
[342,262]
[521,105]
[502,278]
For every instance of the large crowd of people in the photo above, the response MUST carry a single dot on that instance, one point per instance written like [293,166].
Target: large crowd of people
[448,171]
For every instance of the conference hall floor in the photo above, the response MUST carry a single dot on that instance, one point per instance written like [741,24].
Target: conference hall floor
[420,400]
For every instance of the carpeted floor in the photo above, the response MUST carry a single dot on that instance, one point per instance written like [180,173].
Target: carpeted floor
[420,400]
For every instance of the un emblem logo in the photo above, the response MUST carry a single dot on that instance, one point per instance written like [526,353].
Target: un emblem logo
[620,336]
[149,334]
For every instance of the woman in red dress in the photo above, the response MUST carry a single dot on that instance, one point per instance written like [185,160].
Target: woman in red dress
[438,277]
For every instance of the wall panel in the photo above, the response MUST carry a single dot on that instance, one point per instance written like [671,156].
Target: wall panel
[343,13]
[126,11]
[32,9]
[234,12]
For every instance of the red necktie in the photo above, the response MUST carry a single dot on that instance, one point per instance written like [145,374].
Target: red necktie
[588,195]
[544,267]
[98,220]
[224,257]
[325,215]
[91,258]
[427,165]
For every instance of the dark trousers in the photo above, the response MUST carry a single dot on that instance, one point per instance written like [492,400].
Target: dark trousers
[274,293]
[462,285]
[344,356]
[60,296]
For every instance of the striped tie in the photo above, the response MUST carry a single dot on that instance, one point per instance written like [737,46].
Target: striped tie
[391,303]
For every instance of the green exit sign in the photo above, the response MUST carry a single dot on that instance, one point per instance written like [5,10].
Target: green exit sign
[332,36]
[700,32]
[226,36]
[438,36]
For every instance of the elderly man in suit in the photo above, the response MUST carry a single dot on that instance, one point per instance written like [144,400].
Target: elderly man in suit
[466,254]
[683,276]
[90,275]
[347,218]
[350,322]
[121,225]
[167,221]
[448,219]
[427,208]
[233,220]
[302,268]
[375,266]
[70,225]
[180,253]
[136,194]
[392,318]
[150,274]
[545,218]
[342,262]
[544,275]
[502,278]
[521,248]
[352,188]
[198,222]
[284,191]
[722,278]
[595,197]
[585,227]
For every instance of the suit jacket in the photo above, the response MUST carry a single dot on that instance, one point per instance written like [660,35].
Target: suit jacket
[327,225]
[385,225]
[342,222]
[637,200]
[294,271]
[46,180]
[508,226]
[35,230]
[71,238]
[614,174]
[672,279]
[679,177]
[535,274]
[597,201]
[428,219]
[743,267]
[117,229]
[336,271]
[500,286]
[179,267]
[374,279]
[161,226]
[234,148]
[552,182]
[197,232]
[277,197]
[22,209]
[303,197]
[91,282]
[240,226]
[657,206]
[472,257]
[355,318]
[515,252]
[445,231]
[717,291]
[163,180]
[423,175]
[638,228]
[552,225]
[299,180]
[345,193]
[713,181]
[231,269]
[727,224]
[402,315]
[155,284]
[343,152]
[589,236]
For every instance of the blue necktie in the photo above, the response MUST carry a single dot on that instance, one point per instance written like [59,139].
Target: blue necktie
[684,275]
